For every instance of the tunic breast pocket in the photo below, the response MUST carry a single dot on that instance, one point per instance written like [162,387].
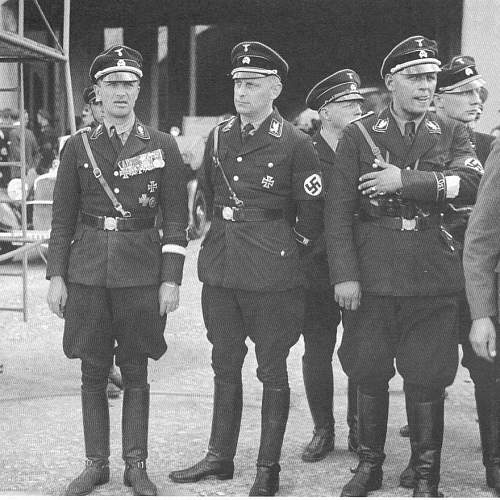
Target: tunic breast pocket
[272,172]
[87,180]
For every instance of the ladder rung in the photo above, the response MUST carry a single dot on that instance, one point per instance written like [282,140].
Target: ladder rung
[9,89]
[11,274]
[10,164]
[17,309]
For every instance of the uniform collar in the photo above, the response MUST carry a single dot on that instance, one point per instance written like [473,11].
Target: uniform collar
[401,123]
[121,128]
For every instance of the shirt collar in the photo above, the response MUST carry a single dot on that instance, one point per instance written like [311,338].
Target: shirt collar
[401,123]
[121,128]
[255,124]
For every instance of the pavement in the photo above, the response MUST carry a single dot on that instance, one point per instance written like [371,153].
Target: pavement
[40,417]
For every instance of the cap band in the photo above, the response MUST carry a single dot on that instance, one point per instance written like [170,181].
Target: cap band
[114,69]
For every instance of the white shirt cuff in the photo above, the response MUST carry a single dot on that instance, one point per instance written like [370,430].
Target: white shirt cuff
[452,186]
[169,248]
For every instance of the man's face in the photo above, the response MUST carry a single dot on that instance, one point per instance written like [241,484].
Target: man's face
[340,114]
[118,94]
[97,111]
[462,106]
[411,94]
[254,96]
[87,117]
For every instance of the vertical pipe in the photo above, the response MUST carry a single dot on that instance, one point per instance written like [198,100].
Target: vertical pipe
[22,133]
[69,90]
[154,83]
[192,71]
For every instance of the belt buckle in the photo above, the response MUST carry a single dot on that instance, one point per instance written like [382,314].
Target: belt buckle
[110,224]
[408,224]
[227,213]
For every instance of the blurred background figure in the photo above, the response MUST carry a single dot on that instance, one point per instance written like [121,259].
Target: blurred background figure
[308,121]
[48,141]
[92,112]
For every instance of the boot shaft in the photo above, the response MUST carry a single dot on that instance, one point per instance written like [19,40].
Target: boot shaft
[135,420]
[226,419]
[95,413]
[274,417]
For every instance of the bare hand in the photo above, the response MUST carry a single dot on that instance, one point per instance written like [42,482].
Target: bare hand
[57,295]
[385,181]
[483,337]
[348,294]
[168,296]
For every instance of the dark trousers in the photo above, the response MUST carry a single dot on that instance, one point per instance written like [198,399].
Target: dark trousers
[96,317]
[322,317]
[272,320]
[420,333]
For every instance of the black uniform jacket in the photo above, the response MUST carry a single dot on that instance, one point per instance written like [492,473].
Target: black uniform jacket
[147,175]
[275,168]
[389,261]
[316,262]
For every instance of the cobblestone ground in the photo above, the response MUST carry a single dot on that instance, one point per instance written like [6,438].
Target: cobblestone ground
[41,430]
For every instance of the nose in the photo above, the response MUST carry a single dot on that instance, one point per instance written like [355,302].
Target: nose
[474,97]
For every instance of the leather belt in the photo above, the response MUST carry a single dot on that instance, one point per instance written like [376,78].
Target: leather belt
[418,223]
[244,214]
[117,223]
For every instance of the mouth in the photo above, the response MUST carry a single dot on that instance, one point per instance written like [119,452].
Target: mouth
[423,99]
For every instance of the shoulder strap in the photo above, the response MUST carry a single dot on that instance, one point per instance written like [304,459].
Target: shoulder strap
[102,181]
[375,149]
[218,164]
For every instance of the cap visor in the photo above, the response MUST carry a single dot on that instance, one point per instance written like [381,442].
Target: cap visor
[354,96]
[464,86]
[248,75]
[120,76]
[417,69]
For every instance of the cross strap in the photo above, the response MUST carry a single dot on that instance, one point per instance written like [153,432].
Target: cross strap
[102,181]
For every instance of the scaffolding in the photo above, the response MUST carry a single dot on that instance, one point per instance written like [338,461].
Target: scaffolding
[15,48]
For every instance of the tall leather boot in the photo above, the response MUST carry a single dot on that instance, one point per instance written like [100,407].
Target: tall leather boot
[95,412]
[426,429]
[135,420]
[372,430]
[318,382]
[274,416]
[407,477]
[226,419]
[488,412]
[352,415]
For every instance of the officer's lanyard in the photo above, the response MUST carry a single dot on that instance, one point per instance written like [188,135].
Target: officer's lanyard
[375,149]
[217,163]
[102,181]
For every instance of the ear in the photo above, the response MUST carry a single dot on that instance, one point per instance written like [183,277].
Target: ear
[389,82]
[276,89]
[97,90]
[438,101]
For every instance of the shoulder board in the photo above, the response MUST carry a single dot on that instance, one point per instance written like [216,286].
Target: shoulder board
[84,130]
[226,120]
[227,123]
[432,126]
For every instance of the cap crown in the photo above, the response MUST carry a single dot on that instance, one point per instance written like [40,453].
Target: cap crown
[116,58]
[257,58]
[340,86]
[458,75]
[413,51]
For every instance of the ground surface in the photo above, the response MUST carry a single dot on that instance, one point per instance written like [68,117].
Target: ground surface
[40,419]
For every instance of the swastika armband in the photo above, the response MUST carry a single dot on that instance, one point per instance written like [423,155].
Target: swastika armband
[440,187]
[307,185]
[475,164]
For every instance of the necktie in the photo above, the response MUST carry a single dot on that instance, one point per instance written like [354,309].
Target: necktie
[246,131]
[409,133]
[115,140]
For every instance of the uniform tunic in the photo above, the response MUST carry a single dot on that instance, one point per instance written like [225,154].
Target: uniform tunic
[417,275]
[251,270]
[146,176]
